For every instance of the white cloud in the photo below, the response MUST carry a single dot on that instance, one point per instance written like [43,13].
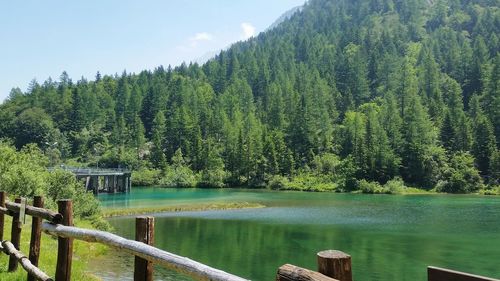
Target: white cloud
[200,37]
[248,30]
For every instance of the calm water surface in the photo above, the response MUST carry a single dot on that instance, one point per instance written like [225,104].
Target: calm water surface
[390,238]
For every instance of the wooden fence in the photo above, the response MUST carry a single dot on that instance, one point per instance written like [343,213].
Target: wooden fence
[60,224]
[332,265]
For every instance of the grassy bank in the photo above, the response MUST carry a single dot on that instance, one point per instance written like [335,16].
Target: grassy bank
[83,252]
[180,208]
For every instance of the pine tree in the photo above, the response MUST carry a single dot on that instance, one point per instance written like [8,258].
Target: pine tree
[491,99]
[158,138]
[392,122]
[429,72]
[381,162]
[408,87]
[419,136]
[484,144]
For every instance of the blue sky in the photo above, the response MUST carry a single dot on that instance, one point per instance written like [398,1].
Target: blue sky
[39,39]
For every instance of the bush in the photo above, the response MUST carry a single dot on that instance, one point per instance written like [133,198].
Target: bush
[146,177]
[278,182]
[326,164]
[307,181]
[24,174]
[371,187]
[461,176]
[63,185]
[395,186]
[213,178]
[179,176]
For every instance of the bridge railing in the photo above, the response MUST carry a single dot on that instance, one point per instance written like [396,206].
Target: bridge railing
[60,224]
[89,170]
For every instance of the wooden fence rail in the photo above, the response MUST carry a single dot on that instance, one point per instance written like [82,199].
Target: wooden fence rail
[60,224]
[441,274]
[8,248]
[139,249]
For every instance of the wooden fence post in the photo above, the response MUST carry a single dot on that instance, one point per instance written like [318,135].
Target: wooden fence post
[64,245]
[3,195]
[15,237]
[36,235]
[335,264]
[144,232]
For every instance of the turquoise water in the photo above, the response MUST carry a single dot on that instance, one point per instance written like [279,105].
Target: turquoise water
[390,237]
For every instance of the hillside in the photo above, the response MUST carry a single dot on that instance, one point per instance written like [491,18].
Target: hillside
[341,94]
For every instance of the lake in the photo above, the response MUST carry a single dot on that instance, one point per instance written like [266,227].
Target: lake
[390,237]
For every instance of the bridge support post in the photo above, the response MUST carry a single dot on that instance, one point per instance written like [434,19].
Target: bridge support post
[144,232]
[115,183]
[95,184]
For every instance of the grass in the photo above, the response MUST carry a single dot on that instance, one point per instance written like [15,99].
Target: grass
[82,253]
[180,208]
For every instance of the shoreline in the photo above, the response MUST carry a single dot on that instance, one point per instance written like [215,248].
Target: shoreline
[404,191]
[113,213]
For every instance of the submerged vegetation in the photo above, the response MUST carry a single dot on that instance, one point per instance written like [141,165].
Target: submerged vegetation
[344,95]
[180,208]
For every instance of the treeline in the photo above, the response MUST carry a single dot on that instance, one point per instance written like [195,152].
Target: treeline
[344,93]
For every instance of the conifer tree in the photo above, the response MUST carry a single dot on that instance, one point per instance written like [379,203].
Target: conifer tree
[158,158]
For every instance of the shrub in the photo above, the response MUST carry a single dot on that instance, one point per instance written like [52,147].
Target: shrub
[179,176]
[395,186]
[278,182]
[213,178]
[23,173]
[146,177]
[63,185]
[371,187]
[461,176]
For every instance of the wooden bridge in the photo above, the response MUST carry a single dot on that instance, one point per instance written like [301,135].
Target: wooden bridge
[332,265]
[100,180]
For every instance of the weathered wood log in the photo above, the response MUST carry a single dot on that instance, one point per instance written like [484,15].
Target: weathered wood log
[9,249]
[441,274]
[335,264]
[5,211]
[15,237]
[144,232]
[65,244]
[3,195]
[150,253]
[36,212]
[290,272]
[36,236]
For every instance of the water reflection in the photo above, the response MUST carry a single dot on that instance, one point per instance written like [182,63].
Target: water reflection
[389,237]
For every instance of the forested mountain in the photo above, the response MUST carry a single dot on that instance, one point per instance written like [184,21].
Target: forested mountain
[342,93]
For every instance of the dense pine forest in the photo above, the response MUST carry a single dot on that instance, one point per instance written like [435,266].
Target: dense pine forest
[345,95]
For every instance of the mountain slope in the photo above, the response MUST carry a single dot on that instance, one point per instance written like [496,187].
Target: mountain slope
[338,94]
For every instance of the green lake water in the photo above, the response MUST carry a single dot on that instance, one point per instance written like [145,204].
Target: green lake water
[390,237]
